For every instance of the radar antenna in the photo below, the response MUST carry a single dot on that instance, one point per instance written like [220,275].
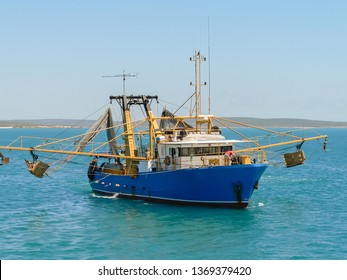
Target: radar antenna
[128,75]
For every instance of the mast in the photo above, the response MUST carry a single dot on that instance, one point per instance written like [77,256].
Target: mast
[197,58]
[125,103]
[209,67]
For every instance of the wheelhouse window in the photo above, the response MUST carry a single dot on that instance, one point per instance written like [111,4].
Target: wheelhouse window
[203,151]
[184,152]
[226,148]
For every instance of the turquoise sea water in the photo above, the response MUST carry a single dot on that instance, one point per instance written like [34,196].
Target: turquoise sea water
[297,213]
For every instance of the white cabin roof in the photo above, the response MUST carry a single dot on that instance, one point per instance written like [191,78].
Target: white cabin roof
[198,139]
[203,143]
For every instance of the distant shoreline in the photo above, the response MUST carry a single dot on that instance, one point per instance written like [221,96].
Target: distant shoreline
[47,123]
[259,122]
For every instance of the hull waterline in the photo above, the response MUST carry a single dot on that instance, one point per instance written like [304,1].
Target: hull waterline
[222,186]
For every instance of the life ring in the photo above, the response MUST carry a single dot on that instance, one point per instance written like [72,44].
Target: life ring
[167,160]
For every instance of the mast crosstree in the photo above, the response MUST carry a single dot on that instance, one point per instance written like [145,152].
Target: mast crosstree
[124,76]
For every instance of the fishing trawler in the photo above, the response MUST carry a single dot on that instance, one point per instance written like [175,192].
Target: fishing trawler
[180,159]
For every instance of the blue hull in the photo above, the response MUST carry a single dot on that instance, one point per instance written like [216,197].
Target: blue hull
[224,186]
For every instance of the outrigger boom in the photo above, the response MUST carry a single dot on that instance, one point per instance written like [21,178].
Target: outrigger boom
[88,154]
[132,157]
[158,132]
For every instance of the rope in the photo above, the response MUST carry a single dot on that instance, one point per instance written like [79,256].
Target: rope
[74,125]
[176,105]
[103,178]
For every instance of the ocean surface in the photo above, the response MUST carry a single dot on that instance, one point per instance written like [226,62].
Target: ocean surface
[297,213]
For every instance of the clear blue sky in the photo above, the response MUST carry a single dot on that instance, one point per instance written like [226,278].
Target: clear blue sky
[269,59]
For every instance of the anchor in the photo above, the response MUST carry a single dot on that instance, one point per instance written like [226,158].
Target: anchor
[325,144]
